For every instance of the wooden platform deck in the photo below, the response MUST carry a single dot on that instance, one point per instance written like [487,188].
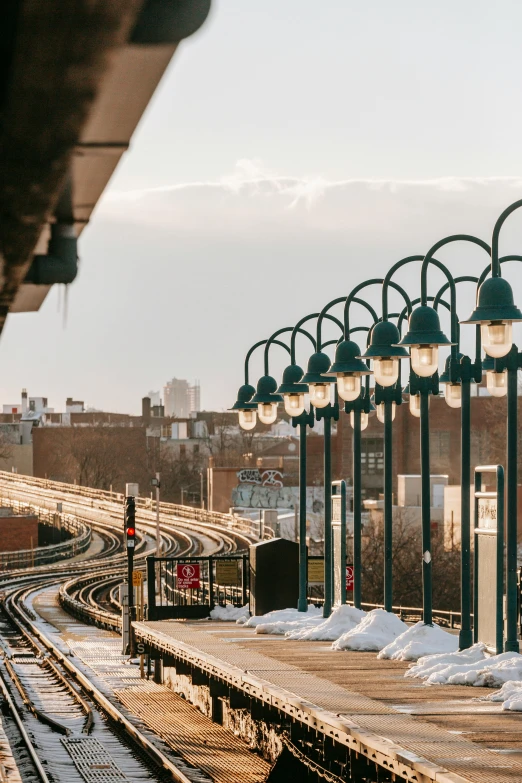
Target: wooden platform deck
[447,734]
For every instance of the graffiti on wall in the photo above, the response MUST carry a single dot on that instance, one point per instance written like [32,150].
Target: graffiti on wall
[250,495]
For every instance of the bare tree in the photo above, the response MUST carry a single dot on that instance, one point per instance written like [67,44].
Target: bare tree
[407,567]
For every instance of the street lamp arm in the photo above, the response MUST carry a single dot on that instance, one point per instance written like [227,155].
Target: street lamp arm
[429,259]
[488,268]
[271,340]
[296,329]
[462,279]
[387,281]
[332,318]
[495,262]
[251,351]
[324,311]
[351,297]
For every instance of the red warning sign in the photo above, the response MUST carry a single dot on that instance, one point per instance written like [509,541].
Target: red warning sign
[188,576]
[349,578]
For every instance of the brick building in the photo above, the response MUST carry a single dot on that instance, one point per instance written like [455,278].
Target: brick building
[488,424]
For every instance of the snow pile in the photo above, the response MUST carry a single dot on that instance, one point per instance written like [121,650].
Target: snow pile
[510,694]
[493,672]
[230,613]
[376,630]
[420,640]
[435,669]
[471,667]
[342,619]
[282,620]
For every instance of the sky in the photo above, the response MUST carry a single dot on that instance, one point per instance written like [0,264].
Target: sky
[291,151]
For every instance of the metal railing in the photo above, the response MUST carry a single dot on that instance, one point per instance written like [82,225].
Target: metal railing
[190,587]
[232,522]
[27,558]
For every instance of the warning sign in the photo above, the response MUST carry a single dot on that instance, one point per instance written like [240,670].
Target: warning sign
[188,576]
[137,578]
[227,573]
[349,578]
[316,570]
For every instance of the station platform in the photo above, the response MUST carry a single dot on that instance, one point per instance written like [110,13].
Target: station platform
[361,708]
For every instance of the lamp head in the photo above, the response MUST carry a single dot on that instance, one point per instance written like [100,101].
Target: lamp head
[318,366]
[318,382]
[244,396]
[290,383]
[384,342]
[347,360]
[266,391]
[495,303]
[424,329]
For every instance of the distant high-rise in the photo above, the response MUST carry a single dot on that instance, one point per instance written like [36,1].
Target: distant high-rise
[176,398]
[181,398]
[195,397]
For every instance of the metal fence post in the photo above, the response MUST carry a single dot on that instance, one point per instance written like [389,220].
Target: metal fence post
[151,588]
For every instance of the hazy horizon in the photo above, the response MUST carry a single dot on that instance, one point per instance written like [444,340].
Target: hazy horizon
[289,153]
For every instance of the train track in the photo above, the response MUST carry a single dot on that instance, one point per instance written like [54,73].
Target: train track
[61,726]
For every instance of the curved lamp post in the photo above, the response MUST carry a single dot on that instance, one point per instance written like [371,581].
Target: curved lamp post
[495,313]
[424,337]
[348,370]
[319,385]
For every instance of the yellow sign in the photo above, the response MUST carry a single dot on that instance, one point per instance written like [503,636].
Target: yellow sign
[316,570]
[137,578]
[227,573]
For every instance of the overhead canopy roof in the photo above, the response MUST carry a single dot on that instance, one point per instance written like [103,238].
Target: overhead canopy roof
[75,79]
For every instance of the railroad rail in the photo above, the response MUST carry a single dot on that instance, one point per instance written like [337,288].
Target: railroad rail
[36,676]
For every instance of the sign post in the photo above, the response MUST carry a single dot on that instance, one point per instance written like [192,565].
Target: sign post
[339,541]
[488,621]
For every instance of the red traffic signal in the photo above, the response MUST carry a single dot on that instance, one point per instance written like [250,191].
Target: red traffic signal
[131,532]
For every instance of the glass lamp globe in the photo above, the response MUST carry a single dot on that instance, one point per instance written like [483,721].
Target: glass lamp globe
[386,371]
[497,338]
[319,394]
[364,420]
[425,360]
[294,404]
[453,394]
[247,419]
[497,383]
[267,412]
[415,405]
[348,386]
[380,411]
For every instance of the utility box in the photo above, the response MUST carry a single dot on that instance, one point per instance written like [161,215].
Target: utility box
[274,575]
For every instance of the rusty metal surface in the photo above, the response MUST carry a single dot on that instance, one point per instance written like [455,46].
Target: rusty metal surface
[206,745]
[441,732]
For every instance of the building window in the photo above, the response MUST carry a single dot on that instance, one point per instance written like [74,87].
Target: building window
[195,450]
[372,456]
[182,451]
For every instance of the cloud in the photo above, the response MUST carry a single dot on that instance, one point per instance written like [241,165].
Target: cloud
[253,197]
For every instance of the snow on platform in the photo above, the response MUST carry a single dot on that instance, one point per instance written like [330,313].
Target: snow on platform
[355,697]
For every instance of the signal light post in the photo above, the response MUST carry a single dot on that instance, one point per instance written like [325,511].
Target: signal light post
[130,540]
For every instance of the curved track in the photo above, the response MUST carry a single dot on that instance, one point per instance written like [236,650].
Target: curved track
[54,721]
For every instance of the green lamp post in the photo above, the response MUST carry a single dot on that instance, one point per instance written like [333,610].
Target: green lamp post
[348,388]
[385,354]
[424,337]
[495,313]
[349,371]
[293,391]
[319,385]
